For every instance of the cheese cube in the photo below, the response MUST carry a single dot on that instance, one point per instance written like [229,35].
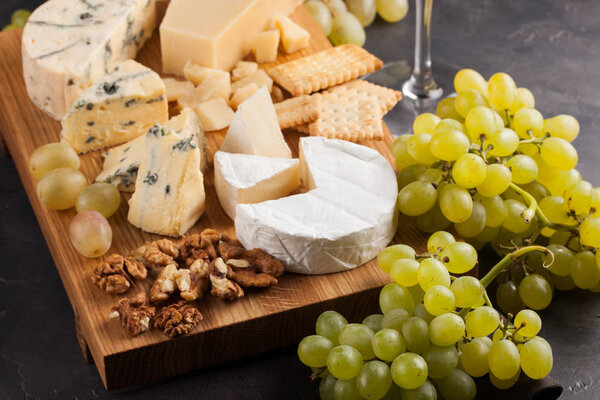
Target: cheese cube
[243,69]
[210,88]
[176,89]
[266,45]
[119,107]
[293,37]
[215,114]
[260,78]
[197,74]
[249,179]
[255,129]
[242,94]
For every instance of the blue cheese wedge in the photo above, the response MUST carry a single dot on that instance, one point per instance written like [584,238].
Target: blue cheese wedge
[121,163]
[169,189]
[119,107]
[69,44]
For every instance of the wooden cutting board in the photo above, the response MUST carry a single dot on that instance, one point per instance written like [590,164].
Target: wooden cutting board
[264,319]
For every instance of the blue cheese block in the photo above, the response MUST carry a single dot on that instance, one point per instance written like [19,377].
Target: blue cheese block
[69,44]
[119,107]
[169,190]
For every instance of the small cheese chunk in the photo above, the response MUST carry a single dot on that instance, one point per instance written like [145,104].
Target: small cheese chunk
[243,69]
[255,129]
[118,108]
[215,114]
[266,45]
[169,191]
[242,94]
[187,124]
[247,179]
[176,89]
[197,74]
[293,37]
[260,78]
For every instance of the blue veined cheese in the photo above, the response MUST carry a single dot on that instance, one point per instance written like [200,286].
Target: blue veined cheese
[169,190]
[121,163]
[119,107]
[69,44]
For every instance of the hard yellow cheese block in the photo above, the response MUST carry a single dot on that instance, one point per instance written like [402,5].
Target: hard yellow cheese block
[293,37]
[214,34]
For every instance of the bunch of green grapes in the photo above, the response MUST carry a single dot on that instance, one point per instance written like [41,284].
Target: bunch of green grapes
[435,333]
[344,21]
[17,20]
[493,167]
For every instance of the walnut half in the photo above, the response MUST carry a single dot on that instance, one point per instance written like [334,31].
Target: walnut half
[177,319]
[164,284]
[199,246]
[193,282]
[222,287]
[253,268]
[135,314]
[110,275]
[156,255]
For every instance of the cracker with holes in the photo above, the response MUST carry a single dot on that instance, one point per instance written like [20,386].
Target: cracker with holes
[298,110]
[359,89]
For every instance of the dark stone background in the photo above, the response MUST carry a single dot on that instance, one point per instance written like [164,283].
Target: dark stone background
[550,46]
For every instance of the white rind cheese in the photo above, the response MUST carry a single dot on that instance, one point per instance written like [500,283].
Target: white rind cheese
[346,218]
[69,44]
[119,107]
[246,179]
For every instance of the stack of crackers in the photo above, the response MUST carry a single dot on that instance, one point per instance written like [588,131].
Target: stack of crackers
[328,99]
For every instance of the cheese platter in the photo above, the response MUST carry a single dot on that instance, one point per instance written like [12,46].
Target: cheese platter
[264,318]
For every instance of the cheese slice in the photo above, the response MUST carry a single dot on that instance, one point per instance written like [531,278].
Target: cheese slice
[169,190]
[121,163]
[247,179]
[255,129]
[121,106]
[346,218]
[67,45]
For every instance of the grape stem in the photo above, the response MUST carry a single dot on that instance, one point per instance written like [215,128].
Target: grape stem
[509,259]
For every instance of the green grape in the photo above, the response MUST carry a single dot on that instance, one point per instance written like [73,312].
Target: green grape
[415,331]
[536,359]
[358,336]
[400,152]
[495,209]
[536,292]
[450,123]
[90,234]
[426,391]
[497,180]
[439,240]
[579,197]
[563,126]
[373,321]
[595,289]
[431,273]
[313,351]
[418,148]
[595,206]
[474,357]
[346,390]
[394,296]
[445,109]
[474,224]
[364,10]
[336,6]
[584,270]
[528,122]
[555,209]
[20,17]
[563,282]
[514,221]
[441,360]
[344,362]
[477,245]
[425,123]
[468,79]
[392,10]
[458,385]
[467,291]
[469,170]
[501,119]
[482,321]
[321,14]
[589,232]
[102,197]
[51,156]
[417,293]
[404,272]
[326,387]
[431,175]
[508,299]
[58,189]
[421,312]
[480,121]
[537,190]
[388,344]
[409,175]
[523,168]
[439,300]
[528,323]
[559,153]
[346,28]
[504,384]
[374,380]
[446,329]
[503,142]
[387,256]
[523,99]
[433,220]
[449,144]
[455,202]
[329,324]
[394,319]
[467,100]
[501,91]
[561,265]
[459,257]
[559,181]
[409,371]
[504,359]
[488,234]
[10,27]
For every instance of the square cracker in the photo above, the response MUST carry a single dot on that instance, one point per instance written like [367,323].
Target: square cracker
[298,110]
[386,97]
[324,69]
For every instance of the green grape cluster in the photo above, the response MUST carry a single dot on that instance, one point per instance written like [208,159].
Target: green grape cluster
[492,166]
[436,332]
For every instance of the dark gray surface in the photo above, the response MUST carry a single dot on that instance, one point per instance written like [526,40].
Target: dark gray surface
[551,47]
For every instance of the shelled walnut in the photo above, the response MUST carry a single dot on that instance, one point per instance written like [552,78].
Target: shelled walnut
[223,287]
[157,255]
[164,284]
[110,275]
[134,314]
[193,282]
[199,246]
[253,268]
[177,319]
